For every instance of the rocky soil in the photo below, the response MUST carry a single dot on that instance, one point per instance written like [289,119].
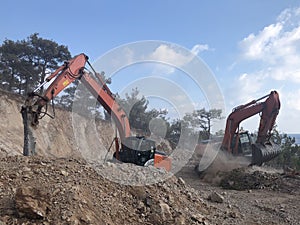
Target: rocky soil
[251,195]
[43,190]
[38,190]
[59,186]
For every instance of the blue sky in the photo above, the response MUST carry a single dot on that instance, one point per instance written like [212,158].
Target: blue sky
[251,47]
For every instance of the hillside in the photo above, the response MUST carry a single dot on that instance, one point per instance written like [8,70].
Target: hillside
[59,186]
[54,137]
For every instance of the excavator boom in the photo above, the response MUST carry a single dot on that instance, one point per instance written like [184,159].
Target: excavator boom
[106,99]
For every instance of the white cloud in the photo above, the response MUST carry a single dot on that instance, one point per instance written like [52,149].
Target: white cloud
[166,53]
[288,118]
[173,56]
[277,46]
[293,100]
[256,46]
[289,16]
[170,58]
[247,87]
[166,56]
[275,52]
[199,48]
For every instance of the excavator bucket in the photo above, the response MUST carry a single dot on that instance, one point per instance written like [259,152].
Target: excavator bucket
[264,152]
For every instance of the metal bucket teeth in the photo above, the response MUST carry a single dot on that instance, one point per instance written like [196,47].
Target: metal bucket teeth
[264,152]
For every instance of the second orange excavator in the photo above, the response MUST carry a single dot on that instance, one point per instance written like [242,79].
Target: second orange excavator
[239,142]
[248,149]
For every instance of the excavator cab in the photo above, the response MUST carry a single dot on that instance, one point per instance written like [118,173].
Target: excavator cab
[137,150]
[244,143]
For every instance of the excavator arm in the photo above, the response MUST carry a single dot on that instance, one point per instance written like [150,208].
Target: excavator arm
[74,70]
[263,150]
[66,74]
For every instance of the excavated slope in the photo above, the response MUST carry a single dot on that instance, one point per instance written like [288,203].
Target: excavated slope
[54,137]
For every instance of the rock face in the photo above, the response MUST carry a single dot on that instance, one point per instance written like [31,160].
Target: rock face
[54,137]
[31,202]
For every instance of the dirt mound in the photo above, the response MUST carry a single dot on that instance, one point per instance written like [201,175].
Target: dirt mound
[254,178]
[241,179]
[37,190]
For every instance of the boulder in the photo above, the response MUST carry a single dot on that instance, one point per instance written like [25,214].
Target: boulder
[31,202]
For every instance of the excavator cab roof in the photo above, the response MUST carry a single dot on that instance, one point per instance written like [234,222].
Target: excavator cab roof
[139,143]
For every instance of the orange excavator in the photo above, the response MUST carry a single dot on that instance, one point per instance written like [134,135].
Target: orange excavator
[134,149]
[239,142]
[242,148]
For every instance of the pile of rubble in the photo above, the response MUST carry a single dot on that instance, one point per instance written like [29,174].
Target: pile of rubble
[254,178]
[243,179]
[37,190]
[41,190]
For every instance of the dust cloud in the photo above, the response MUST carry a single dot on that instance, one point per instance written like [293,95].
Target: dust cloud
[214,162]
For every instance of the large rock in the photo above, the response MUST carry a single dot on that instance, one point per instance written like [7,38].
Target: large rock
[161,213]
[216,197]
[165,212]
[31,202]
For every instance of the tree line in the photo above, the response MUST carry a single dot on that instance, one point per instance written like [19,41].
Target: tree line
[25,63]
[290,155]
[198,123]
